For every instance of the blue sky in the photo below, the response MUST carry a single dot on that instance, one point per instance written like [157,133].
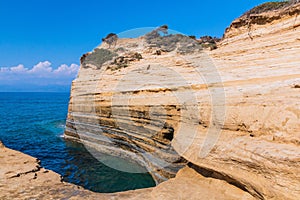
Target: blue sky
[41,41]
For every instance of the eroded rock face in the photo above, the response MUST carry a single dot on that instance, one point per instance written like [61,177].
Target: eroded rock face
[258,148]
[233,112]
[264,14]
[21,177]
[112,107]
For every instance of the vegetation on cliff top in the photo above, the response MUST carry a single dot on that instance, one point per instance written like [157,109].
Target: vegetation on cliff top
[168,43]
[98,57]
[270,6]
[124,60]
[256,16]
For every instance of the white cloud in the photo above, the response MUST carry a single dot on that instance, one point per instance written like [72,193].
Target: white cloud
[65,69]
[41,67]
[44,69]
[19,68]
[42,73]
[4,69]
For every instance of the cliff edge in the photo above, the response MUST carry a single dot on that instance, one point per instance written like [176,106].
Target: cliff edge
[233,112]
[221,124]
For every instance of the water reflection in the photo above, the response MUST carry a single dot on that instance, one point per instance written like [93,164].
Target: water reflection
[83,169]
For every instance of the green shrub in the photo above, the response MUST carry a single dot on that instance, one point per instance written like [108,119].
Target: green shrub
[98,57]
[124,61]
[269,6]
[168,43]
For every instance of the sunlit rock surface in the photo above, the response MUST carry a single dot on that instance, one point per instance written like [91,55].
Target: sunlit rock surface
[232,114]
[234,111]
[21,177]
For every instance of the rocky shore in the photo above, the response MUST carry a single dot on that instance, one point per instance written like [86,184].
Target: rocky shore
[221,124]
[21,177]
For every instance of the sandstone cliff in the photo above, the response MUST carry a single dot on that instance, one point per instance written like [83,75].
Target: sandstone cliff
[227,119]
[232,113]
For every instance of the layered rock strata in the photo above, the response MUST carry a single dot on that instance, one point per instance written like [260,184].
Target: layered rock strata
[233,112]
[121,105]
[22,178]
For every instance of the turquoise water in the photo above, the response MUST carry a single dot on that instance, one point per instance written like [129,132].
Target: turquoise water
[33,123]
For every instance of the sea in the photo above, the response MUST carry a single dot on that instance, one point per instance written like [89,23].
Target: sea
[34,123]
